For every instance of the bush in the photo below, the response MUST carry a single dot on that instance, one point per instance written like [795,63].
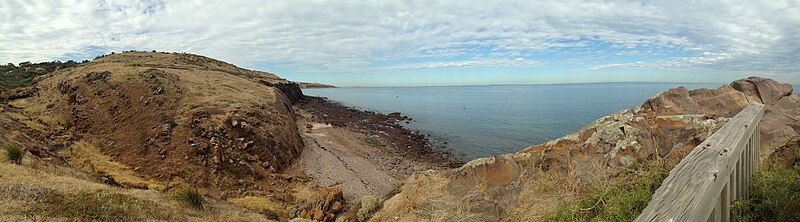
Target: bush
[774,195]
[368,204]
[14,153]
[622,199]
[191,196]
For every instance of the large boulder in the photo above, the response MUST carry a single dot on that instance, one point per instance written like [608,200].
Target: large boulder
[723,101]
[676,101]
[763,90]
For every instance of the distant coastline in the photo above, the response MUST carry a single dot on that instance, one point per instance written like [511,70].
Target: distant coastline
[312,85]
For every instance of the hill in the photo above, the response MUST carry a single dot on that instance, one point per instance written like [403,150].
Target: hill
[161,121]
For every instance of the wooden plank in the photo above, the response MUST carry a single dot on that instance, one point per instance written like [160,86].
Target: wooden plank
[691,190]
[725,199]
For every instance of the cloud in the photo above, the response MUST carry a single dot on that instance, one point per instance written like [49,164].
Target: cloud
[374,36]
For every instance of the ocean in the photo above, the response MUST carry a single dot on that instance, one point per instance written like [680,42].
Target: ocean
[478,121]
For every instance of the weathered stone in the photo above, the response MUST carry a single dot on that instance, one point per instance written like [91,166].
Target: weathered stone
[724,101]
[674,101]
[767,91]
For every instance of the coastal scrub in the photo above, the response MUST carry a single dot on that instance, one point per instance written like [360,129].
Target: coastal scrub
[774,194]
[622,198]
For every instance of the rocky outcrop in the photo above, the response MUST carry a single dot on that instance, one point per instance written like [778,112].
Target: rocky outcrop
[290,89]
[669,124]
[762,90]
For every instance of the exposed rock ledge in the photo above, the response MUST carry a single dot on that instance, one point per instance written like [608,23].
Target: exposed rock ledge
[669,124]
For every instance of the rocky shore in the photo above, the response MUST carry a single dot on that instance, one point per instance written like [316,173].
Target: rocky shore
[383,130]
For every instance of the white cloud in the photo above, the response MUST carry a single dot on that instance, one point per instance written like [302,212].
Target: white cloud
[354,36]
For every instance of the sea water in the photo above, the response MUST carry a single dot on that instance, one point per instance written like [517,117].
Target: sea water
[478,121]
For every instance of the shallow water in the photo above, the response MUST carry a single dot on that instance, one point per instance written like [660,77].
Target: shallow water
[477,121]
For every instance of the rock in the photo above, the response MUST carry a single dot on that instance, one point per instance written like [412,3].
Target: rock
[767,91]
[788,105]
[724,101]
[676,101]
[322,203]
[318,215]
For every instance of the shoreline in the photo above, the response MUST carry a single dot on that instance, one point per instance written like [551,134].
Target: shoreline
[383,130]
[359,151]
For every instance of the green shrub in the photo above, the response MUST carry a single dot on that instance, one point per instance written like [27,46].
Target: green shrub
[774,195]
[191,196]
[622,199]
[14,153]
[368,204]
[93,206]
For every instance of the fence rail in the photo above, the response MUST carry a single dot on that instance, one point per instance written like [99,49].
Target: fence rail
[717,172]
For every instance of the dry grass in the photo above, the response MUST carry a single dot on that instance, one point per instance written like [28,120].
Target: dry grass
[261,205]
[51,193]
[86,157]
[538,196]
[420,193]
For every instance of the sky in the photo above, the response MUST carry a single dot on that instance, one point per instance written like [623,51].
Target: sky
[418,43]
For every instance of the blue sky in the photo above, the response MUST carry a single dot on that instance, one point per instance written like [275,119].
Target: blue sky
[410,43]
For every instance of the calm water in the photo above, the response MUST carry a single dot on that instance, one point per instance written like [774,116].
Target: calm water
[477,121]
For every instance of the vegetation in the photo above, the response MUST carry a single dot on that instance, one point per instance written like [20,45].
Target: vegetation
[14,153]
[622,198]
[774,194]
[191,196]
[368,205]
[24,74]
[93,206]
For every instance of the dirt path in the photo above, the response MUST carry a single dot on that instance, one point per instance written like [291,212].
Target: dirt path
[334,157]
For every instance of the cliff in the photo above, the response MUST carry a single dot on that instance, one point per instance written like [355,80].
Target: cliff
[520,185]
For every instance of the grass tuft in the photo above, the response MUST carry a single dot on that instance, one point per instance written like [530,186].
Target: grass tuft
[14,153]
[191,196]
[621,199]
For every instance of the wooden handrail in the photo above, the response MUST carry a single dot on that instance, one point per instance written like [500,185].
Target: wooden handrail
[717,172]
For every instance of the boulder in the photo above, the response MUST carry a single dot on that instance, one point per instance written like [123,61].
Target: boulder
[322,204]
[789,105]
[763,90]
[724,101]
[777,130]
[675,101]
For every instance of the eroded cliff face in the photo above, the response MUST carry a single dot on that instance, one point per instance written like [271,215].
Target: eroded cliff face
[669,124]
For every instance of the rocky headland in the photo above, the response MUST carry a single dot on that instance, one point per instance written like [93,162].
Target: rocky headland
[311,85]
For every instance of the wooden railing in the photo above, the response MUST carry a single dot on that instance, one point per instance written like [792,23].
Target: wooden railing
[703,185]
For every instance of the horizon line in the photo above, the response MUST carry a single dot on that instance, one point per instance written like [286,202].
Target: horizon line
[518,84]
